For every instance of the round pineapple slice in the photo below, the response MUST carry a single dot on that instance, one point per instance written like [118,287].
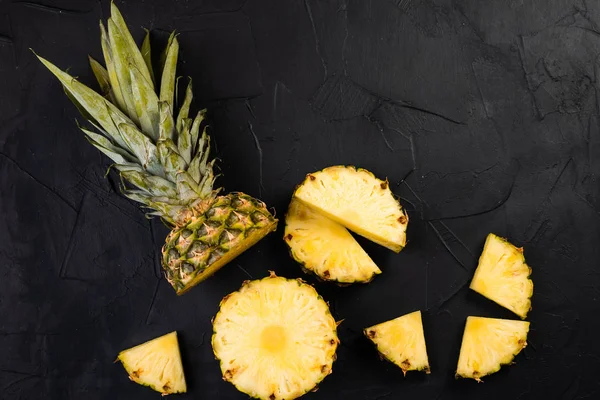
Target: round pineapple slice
[503,276]
[359,201]
[325,247]
[275,338]
[157,364]
[489,343]
[402,342]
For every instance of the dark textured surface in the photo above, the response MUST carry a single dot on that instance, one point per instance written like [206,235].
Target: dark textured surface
[484,116]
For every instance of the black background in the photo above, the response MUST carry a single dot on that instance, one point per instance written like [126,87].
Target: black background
[483,115]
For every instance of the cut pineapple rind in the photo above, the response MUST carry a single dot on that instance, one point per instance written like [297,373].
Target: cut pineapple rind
[275,338]
[325,248]
[503,276]
[358,200]
[402,342]
[489,343]
[156,364]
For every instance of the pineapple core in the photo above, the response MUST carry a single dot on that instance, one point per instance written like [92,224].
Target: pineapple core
[273,338]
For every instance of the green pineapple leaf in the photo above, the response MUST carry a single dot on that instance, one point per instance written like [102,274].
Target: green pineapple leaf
[195,130]
[146,103]
[167,83]
[166,128]
[111,69]
[170,159]
[184,142]
[143,148]
[122,59]
[147,54]
[101,75]
[185,107]
[129,44]
[187,188]
[94,104]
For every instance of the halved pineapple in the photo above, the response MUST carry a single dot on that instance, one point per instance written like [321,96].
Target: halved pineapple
[489,343]
[157,364]
[325,247]
[359,201]
[503,276]
[275,338]
[402,341]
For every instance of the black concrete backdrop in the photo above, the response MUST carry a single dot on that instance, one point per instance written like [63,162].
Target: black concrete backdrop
[484,116]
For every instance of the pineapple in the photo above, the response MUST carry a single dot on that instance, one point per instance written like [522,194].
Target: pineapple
[359,201]
[325,247]
[275,338]
[163,156]
[503,277]
[402,341]
[489,343]
[157,364]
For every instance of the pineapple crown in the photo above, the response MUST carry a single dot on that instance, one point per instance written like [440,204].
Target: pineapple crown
[166,160]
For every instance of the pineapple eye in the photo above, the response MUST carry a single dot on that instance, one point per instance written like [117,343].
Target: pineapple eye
[217,212]
[223,201]
[186,233]
[233,219]
[197,252]
[173,254]
[209,228]
[187,268]
[258,218]
[215,255]
[198,247]
[229,237]
[237,202]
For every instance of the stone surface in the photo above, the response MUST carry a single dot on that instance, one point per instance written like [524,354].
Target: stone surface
[483,115]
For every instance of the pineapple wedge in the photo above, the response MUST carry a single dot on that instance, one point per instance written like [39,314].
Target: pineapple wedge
[359,201]
[489,343]
[325,247]
[503,276]
[157,364]
[402,341]
[275,338]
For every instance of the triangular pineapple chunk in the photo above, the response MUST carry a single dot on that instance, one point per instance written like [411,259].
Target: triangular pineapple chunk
[359,201]
[489,343]
[503,276]
[325,247]
[157,364]
[402,341]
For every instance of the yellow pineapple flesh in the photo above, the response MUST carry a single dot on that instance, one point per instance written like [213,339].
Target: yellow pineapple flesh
[358,200]
[325,247]
[402,341]
[503,276]
[489,343]
[156,364]
[275,338]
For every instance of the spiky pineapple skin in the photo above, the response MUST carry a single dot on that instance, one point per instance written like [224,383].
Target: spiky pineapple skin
[212,234]
[383,185]
[250,286]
